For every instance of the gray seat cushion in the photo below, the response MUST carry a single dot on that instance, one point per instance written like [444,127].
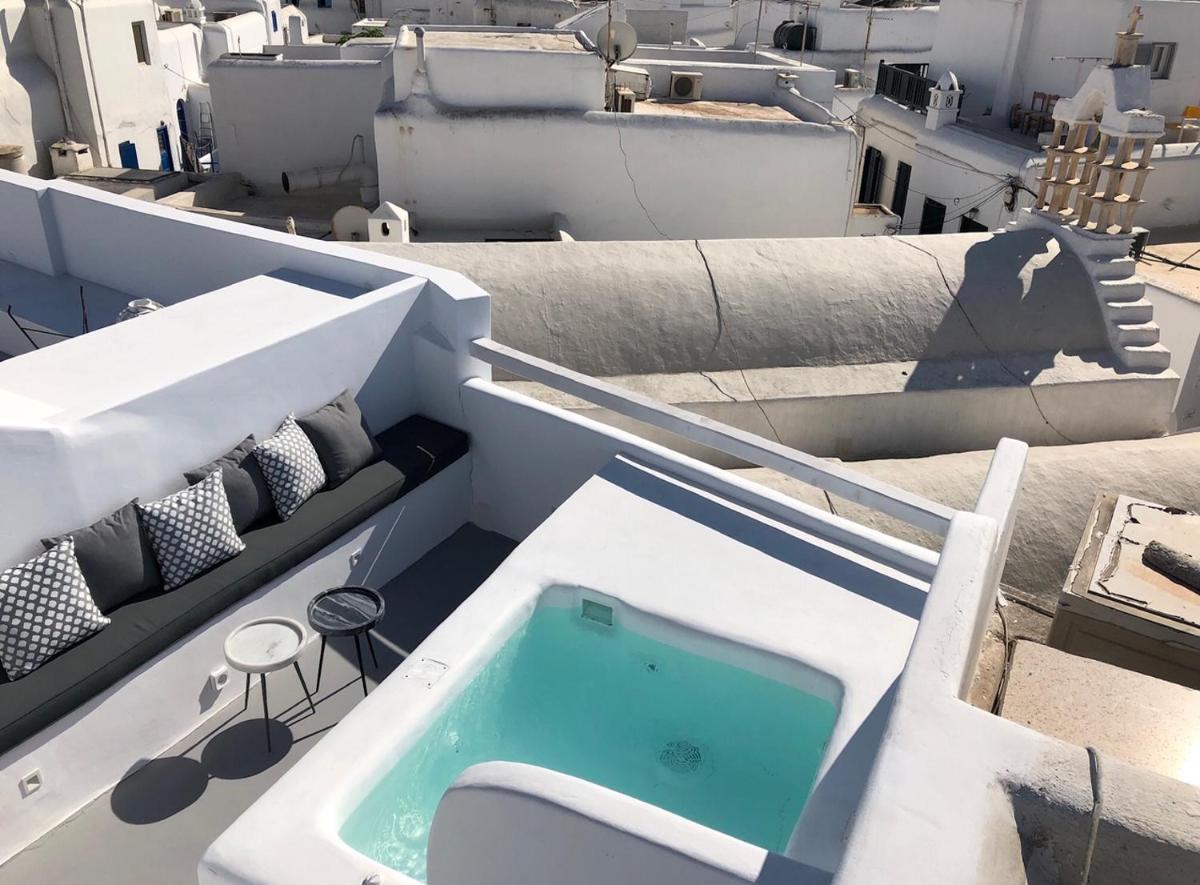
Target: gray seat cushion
[413,451]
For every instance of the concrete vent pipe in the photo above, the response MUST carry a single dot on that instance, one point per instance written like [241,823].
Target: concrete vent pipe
[326,176]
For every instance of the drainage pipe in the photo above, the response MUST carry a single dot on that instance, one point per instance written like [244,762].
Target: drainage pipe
[326,176]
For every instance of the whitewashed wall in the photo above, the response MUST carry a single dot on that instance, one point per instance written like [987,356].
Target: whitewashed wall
[245,32]
[695,176]
[498,77]
[503,13]
[55,433]
[33,115]
[113,97]
[734,75]
[182,53]
[334,19]
[1003,51]
[840,28]
[1178,316]
[277,115]
[1171,197]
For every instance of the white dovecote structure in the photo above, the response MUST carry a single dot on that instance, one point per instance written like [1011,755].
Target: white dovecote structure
[1097,162]
[1099,153]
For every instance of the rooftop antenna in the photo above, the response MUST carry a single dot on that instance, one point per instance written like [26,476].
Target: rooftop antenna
[758,29]
[870,21]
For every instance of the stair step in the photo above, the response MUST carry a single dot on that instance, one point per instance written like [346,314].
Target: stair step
[1137,333]
[1113,269]
[1121,290]
[1150,356]
[1119,312]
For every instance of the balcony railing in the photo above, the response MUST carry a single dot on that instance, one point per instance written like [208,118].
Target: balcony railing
[906,84]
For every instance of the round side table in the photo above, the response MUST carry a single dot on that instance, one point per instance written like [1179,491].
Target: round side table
[346,611]
[263,646]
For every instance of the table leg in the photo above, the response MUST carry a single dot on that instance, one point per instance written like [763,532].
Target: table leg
[246,696]
[304,686]
[361,672]
[262,680]
[320,662]
[371,646]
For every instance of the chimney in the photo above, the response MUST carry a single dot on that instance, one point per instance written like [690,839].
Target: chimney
[945,99]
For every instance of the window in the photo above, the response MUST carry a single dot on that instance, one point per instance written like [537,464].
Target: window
[900,191]
[1158,57]
[324,4]
[933,217]
[274,22]
[872,176]
[140,46]
[969,225]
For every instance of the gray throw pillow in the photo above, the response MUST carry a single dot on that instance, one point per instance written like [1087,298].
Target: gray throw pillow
[115,556]
[341,437]
[247,490]
[45,607]
[191,531]
[291,467]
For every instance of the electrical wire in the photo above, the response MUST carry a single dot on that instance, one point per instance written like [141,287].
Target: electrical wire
[916,225]
[1002,683]
[941,158]
[957,197]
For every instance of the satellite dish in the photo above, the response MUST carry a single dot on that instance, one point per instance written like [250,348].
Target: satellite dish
[350,224]
[623,42]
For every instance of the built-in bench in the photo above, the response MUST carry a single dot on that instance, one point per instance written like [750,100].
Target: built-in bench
[413,451]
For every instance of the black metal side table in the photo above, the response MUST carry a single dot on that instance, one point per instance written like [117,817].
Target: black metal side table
[346,611]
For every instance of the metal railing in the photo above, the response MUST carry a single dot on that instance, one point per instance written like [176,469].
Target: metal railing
[905,86]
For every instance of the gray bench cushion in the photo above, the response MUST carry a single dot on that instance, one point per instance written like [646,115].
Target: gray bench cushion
[413,451]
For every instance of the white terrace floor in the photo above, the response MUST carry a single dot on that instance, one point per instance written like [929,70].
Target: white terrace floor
[153,827]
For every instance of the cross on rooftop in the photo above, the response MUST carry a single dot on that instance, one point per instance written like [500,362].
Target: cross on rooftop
[1135,16]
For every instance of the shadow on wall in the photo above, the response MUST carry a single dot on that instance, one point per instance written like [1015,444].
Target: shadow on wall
[999,311]
[761,536]
[27,70]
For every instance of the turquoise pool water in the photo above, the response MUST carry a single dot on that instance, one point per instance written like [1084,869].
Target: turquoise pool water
[719,745]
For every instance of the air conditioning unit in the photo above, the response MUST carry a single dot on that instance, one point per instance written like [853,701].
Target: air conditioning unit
[623,100]
[173,15]
[686,85]
[852,78]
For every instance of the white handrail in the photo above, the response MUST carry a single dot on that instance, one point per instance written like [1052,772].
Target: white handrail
[833,478]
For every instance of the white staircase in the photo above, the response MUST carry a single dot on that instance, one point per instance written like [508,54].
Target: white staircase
[1128,313]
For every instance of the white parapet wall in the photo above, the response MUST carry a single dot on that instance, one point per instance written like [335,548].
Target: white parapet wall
[232,353]
[617,176]
[317,111]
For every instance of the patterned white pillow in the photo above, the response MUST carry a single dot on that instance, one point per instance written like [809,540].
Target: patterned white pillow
[45,606]
[291,467]
[192,530]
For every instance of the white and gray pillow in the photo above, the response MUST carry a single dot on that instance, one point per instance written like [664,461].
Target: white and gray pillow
[45,607]
[291,467]
[192,530]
